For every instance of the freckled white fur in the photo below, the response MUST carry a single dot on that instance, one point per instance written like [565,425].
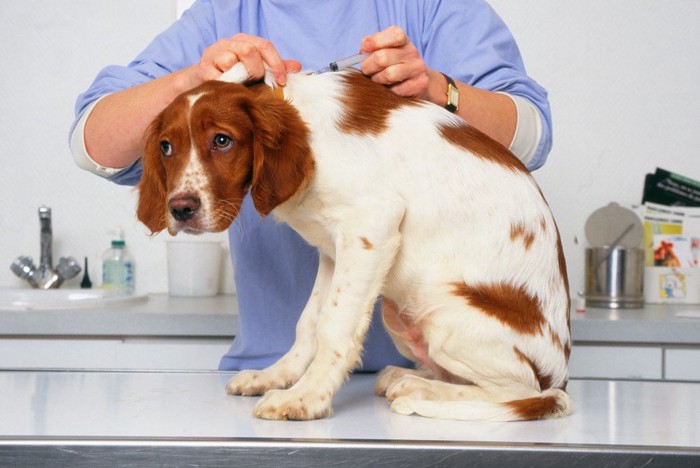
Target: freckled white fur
[434,215]
[194,179]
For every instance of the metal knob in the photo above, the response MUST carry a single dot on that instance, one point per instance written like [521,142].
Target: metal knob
[67,268]
[24,268]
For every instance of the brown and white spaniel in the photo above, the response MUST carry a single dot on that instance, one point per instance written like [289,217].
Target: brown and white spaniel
[403,200]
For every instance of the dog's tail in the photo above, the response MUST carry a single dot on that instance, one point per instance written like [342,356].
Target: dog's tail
[551,403]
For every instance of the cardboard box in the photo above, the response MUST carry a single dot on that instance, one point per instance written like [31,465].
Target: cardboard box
[665,285]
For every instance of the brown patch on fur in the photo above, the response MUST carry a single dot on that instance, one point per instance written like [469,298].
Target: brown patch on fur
[368,105]
[283,163]
[517,231]
[510,305]
[474,141]
[534,408]
[545,381]
[366,244]
[152,209]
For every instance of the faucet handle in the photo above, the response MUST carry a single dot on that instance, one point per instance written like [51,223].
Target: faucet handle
[24,267]
[67,268]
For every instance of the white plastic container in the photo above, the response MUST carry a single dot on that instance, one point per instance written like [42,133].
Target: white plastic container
[194,268]
[118,269]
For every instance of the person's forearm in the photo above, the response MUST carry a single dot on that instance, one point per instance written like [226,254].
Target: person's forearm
[494,114]
[115,127]
[128,113]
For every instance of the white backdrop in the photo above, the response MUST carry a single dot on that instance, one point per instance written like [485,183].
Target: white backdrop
[623,81]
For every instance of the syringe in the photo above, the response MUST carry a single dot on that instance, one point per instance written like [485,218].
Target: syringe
[342,63]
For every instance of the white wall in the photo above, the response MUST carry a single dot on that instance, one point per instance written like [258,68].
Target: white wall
[622,75]
[623,83]
[50,52]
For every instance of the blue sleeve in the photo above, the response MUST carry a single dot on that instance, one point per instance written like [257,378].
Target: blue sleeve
[177,47]
[470,42]
[465,39]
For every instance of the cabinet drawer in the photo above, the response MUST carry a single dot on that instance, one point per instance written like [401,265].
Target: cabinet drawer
[682,364]
[615,362]
[113,353]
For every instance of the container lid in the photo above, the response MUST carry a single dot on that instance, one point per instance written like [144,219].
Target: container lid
[118,243]
[614,226]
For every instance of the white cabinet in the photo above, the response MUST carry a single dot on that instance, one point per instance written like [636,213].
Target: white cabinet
[682,364]
[113,353]
[615,362]
[660,362]
[164,353]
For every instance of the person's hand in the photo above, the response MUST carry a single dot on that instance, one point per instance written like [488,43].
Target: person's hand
[395,62]
[253,51]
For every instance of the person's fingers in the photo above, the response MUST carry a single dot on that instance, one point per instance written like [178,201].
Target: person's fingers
[292,66]
[265,53]
[392,36]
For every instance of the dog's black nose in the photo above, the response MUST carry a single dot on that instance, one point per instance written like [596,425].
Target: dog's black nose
[183,208]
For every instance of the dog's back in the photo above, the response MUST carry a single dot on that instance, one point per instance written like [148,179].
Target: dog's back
[478,286]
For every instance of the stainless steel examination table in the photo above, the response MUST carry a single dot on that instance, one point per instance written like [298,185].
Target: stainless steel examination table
[73,418]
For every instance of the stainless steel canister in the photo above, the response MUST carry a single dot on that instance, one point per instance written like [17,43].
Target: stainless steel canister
[614,277]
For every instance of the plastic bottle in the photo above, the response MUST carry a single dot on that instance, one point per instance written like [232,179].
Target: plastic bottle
[118,268]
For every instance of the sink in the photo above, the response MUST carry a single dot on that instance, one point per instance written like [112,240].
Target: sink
[56,299]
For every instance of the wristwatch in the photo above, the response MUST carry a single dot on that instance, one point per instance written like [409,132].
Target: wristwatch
[452,95]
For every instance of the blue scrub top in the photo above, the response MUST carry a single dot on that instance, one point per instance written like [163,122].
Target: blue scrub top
[274,268]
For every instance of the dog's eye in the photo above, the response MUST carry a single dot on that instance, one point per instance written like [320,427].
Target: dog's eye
[222,142]
[166,148]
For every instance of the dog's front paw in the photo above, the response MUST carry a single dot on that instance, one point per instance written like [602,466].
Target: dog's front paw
[294,404]
[256,382]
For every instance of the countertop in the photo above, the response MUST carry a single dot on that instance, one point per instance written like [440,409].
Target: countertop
[162,315]
[137,418]
[159,315]
[652,324]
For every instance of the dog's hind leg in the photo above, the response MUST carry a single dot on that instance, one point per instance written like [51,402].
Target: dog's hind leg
[422,388]
[391,374]
[505,385]
[551,403]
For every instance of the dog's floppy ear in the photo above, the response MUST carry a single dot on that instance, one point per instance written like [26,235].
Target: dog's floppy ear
[151,208]
[282,160]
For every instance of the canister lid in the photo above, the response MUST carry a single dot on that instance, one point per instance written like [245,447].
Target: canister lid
[614,225]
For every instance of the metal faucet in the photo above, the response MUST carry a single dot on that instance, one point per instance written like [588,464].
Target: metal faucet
[45,277]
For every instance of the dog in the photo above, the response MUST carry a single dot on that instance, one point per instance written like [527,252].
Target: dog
[403,200]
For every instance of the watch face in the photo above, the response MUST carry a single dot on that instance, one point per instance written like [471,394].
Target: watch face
[453,95]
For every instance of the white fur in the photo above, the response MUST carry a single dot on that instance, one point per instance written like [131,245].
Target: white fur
[239,74]
[236,74]
[406,214]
